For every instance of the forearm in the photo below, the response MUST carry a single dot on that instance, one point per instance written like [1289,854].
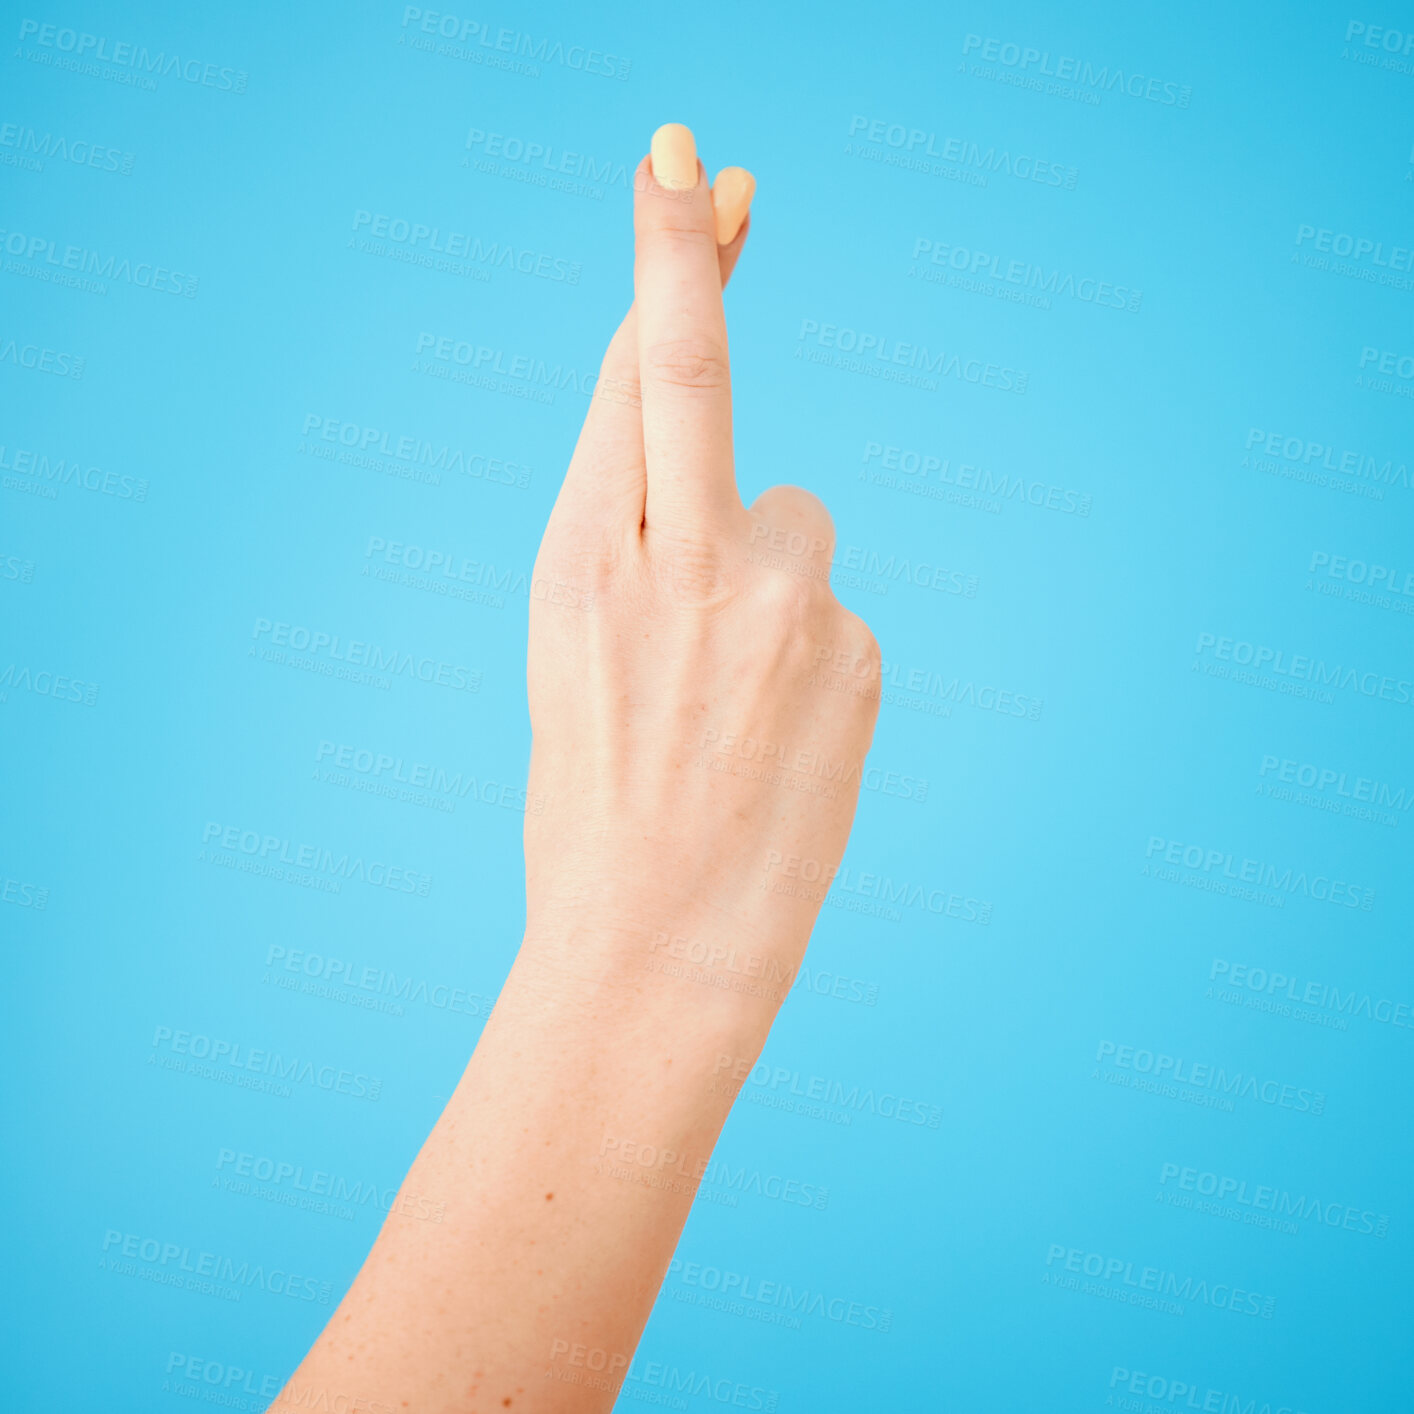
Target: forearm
[564,1166]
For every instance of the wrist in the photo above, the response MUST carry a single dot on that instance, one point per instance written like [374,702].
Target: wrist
[699,970]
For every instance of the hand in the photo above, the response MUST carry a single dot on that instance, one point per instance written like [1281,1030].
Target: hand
[701,704]
[701,708]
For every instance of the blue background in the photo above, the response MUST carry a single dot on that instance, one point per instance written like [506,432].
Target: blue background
[1136,521]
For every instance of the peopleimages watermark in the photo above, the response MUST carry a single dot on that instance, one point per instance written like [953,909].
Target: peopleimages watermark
[32,151]
[1348,579]
[1204,1075]
[39,358]
[377,982]
[1220,864]
[796,765]
[65,471]
[1300,674]
[58,687]
[903,685]
[867,569]
[1375,578]
[15,569]
[455,31]
[234,1381]
[27,895]
[338,867]
[424,244]
[1268,1205]
[1193,1394]
[877,355]
[316,1189]
[1364,794]
[88,50]
[324,649]
[1355,257]
[175,1264]
[1379,46]
[1357,248]
[230,1059]
[419,459]
[743,1287]
[545,163]
[724,967]
[1389,362]
[1267,983]
[1020,281]
[420,782]
[479,364]
[1310,460]
[964,483]
[864,891]
[1037,64]
[1153,1285]
[651,1381]
[444,571]
[935,154]
[70,263]
[782,1080]
[669,1170]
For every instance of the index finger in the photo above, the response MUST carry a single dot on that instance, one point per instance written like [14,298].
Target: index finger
[684,370]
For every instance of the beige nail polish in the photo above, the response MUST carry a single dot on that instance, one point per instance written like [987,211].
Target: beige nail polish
[731,199]
[674,157]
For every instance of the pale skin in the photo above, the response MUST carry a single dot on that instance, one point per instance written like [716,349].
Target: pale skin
[687,638]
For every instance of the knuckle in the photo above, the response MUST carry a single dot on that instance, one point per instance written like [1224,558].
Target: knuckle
[864,648]
[577,554]
[784,601]
[695,363]
[681,229]
[619,388]
[693,571]
[618,372]
[873,658]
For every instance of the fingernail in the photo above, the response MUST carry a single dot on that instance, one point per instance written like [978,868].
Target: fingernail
[731,200]
[674,157]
